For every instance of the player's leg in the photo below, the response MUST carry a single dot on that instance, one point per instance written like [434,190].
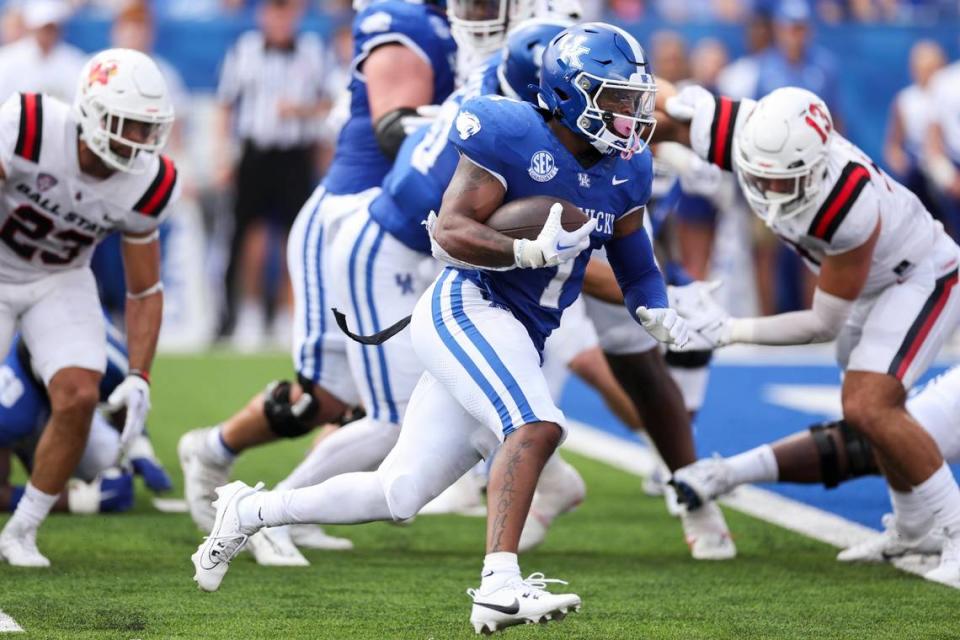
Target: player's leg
[483,355]
[380,284]
[64,331]
[902,333]
[282,410]
[648,382]
[440,442]
[639,366]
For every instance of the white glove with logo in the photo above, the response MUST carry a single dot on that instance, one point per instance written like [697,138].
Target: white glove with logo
[665,325]
[709,322]
[426,114]
[683,106]
[553,245]
[133,394]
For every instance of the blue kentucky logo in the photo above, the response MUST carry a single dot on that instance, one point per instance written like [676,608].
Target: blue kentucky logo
[405,282]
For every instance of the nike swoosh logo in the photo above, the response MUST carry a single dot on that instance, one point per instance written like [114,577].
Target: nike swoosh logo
[487,574]
[510,609]
[616,182]
[562,247]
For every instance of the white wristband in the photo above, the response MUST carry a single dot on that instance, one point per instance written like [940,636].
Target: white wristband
[147,239]
[146,293]
[527,255]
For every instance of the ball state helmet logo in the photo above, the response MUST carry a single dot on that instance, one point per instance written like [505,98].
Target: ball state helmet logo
[102,72]
[542,167]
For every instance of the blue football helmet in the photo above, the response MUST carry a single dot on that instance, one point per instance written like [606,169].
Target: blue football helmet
[519,70]
[596,80]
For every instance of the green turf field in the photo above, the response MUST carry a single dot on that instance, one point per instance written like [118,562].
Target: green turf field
[129,576]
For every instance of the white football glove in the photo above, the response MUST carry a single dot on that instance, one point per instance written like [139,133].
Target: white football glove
[683,106]
[709,322]
[133,394]
[665,326]
[553,245]
[426,114]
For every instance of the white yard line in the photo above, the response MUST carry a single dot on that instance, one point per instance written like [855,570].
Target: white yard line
[761,504]
[8,624]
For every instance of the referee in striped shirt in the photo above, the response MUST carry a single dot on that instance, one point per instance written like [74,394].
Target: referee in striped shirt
[271,98]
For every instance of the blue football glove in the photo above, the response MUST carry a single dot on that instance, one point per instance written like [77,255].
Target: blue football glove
[143,459]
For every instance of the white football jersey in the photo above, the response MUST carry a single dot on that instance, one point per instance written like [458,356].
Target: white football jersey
[855,195]
[52,215]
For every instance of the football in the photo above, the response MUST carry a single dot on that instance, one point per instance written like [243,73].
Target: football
[524,218]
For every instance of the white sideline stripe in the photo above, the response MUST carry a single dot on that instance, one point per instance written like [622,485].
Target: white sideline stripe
[8,624]
[759,503]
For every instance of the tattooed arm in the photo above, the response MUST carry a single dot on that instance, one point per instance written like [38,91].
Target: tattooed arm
[472,197]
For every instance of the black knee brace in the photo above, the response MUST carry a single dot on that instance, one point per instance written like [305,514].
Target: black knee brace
[856,451]
[286,419]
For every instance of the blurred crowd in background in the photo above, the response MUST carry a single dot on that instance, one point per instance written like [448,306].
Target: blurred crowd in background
[259,87]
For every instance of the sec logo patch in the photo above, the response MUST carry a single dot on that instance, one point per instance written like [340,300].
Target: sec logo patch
[542,167]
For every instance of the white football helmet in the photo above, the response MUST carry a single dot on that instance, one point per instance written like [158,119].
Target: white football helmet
[480,26]
[781,153]
[123,107]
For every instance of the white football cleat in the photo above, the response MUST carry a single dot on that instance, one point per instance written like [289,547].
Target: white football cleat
[561,496]
[702,481]
[19,548]
[707,533]
[311,536]
[520,602]
[200,476]
[272,547]
[212,558]
[948,572]
[890,545]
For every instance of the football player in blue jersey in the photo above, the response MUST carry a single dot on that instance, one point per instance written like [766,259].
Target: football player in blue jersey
[404,56]
[480,327]
[99,484]
[379,253]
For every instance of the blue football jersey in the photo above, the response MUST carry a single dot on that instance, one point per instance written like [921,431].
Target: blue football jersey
[424,166]
[24,405]
[358,164]
[513,141]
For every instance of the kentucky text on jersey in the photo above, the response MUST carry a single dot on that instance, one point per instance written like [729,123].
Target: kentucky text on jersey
[513,141]
[358,163]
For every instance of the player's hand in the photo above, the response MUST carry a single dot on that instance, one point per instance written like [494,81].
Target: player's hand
[684,105]
[110,492]
[709,322]
[553,245]
[665,326]
[133,394]
[426,115]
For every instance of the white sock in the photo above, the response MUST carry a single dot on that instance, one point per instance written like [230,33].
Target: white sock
[942,496]
[357,446]
[350,498]
[756,465]
[498,569]
[216,449]
[32,509]
[913,515]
